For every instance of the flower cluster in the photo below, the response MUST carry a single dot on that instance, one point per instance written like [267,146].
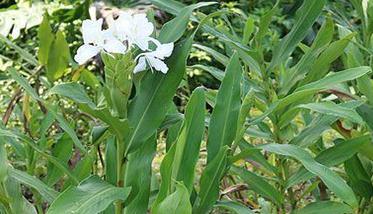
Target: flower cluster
[124,33]
[14,20]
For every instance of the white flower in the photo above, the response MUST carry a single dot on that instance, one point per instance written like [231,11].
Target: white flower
[154,59]
[25,17]
[35,16]
[95,40]
[12,21]
[133,28]
[19,22]
[6,23]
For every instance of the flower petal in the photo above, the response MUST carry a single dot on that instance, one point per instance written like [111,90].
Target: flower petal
[142,43]
[136,29]
[163,50]
[5,25]
[141,65]
[157,64]
[91,30]
[122,26]
[85,52]
[113,45]
[144,28]
[16,31]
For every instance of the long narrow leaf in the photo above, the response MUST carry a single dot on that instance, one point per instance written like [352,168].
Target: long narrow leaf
[149,107]
[332,180]
[223,122]
[91,196]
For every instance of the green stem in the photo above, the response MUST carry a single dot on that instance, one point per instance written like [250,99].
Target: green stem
[4,198]
[120,174]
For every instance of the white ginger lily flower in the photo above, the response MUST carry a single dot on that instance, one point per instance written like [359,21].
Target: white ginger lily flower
[95,40]
[19,23]
[6,23]
[35,16]
[133,28]
[12,22]
[154,58]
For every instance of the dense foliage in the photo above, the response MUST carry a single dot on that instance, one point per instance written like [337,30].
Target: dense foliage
[164,106]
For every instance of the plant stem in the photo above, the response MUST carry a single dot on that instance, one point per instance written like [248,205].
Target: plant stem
[4,200]
[120,174]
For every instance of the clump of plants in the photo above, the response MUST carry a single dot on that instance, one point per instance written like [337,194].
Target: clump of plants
[189,108]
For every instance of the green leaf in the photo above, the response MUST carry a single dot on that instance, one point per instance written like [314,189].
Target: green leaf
[24,54]
[17,203]
[110,167]
[249,61]
[73,91]
[59,57]
[223,59]
[307,62]
[174,7]
[338,77]
[325,207]
[224,117]
[24,83]
[91,196]
[365,85]
[248,30]
[174,29]
[332,156]
[359,178]
[151,103]
[210,180]
[180,161]
[172,134]
[234,207]
[82,170]
[259,185]
[311,133]
[34,146]
[170,120]
[215,72]
[321,65]
[174,129]
[353,56]
[331,179]
[249,152]
[119,127]
[303,93]
[366,112]
[62,150]
[264,23]
[110,161]
[89,78]
[306,16]
[244,113]
[331,108]
[46,192]
[166,176]
[177,202]
[138,176]
[325,34]
[46,38]
[66,127]
[189,140]
[3,163]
